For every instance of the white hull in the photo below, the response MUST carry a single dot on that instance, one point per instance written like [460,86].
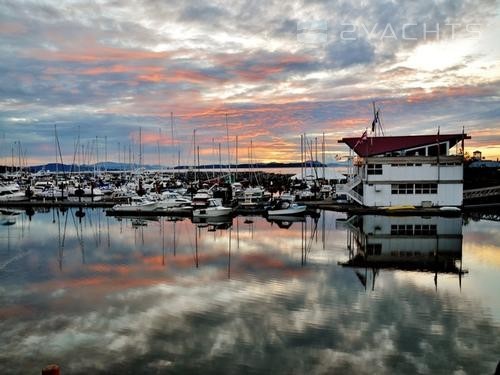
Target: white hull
[212,212]
[287,211]
[149,207]
[14,197]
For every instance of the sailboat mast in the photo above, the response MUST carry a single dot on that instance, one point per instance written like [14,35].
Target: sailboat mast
[301,157]
[236,176]
[228,150]
[172,141]
[55,148]
[323,156]
[140,147]
[194,153]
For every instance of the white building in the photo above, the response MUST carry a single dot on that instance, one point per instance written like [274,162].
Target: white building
[406,170]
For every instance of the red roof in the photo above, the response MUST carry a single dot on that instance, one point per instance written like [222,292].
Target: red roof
[371,146]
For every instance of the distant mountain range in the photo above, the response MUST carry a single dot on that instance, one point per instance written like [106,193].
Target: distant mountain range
[112,166]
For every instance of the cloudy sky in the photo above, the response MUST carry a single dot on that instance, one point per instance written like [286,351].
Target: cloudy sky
[104,72]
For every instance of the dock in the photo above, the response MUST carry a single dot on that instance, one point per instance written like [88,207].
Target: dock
[328,205]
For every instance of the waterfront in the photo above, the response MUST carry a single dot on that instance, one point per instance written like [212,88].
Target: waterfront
[107,295]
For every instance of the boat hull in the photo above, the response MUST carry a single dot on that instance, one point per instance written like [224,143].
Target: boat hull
[207,212]
[287,211]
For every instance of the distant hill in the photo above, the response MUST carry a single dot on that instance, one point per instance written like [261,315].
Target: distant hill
[113,166]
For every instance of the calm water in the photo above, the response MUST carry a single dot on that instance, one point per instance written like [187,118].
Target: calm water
[332,294]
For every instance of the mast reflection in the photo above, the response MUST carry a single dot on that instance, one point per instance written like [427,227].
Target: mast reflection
[413,243]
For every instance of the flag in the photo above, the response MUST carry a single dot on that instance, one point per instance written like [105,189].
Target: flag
[375,121]
[363,138]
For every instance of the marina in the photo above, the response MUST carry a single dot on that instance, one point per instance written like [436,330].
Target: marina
[101,294]
[250,187]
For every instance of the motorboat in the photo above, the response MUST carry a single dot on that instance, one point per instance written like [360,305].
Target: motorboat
[51,193]
[11,193]
[214,209]
[85,191]
[137,204]
[281,207]
[172,200]
[201,198]
[286,221]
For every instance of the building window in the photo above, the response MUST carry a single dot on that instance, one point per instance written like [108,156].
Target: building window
[374,169]
[402,188]
[413,230]
[402,230]
[425,188]
[425,229]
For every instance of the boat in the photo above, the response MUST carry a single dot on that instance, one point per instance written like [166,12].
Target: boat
[137,204]
[285,221]
[214,209]
[51,193]
[11,193]
[172,200]
[201,198]
[450,208]
[85,191]
[281,207]
[214,222]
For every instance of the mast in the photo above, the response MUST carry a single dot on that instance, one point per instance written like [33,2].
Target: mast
[228,151]
[213,157]
[323,156]
[374,122]
[55,148]
[194,153]
[316,155]
[105,152]
[97,153]
[172,140]
[158,145]
[220,162]
[140,147]
[236,176]
[301,156]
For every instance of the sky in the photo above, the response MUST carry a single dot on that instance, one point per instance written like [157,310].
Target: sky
[105,76]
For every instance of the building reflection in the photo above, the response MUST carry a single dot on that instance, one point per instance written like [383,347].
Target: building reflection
[413,243]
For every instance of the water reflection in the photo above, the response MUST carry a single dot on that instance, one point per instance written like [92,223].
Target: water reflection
[413,243]
[103,295]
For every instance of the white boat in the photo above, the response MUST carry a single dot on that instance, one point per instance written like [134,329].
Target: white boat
[84,192]
[172,200]
[286,208]
[137,204]
[214,209]
[252,197]
[201,198]
[11,193]
[51,193]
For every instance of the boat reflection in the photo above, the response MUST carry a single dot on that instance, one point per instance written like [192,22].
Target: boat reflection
[213,223]
[285,221]
[425,244]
